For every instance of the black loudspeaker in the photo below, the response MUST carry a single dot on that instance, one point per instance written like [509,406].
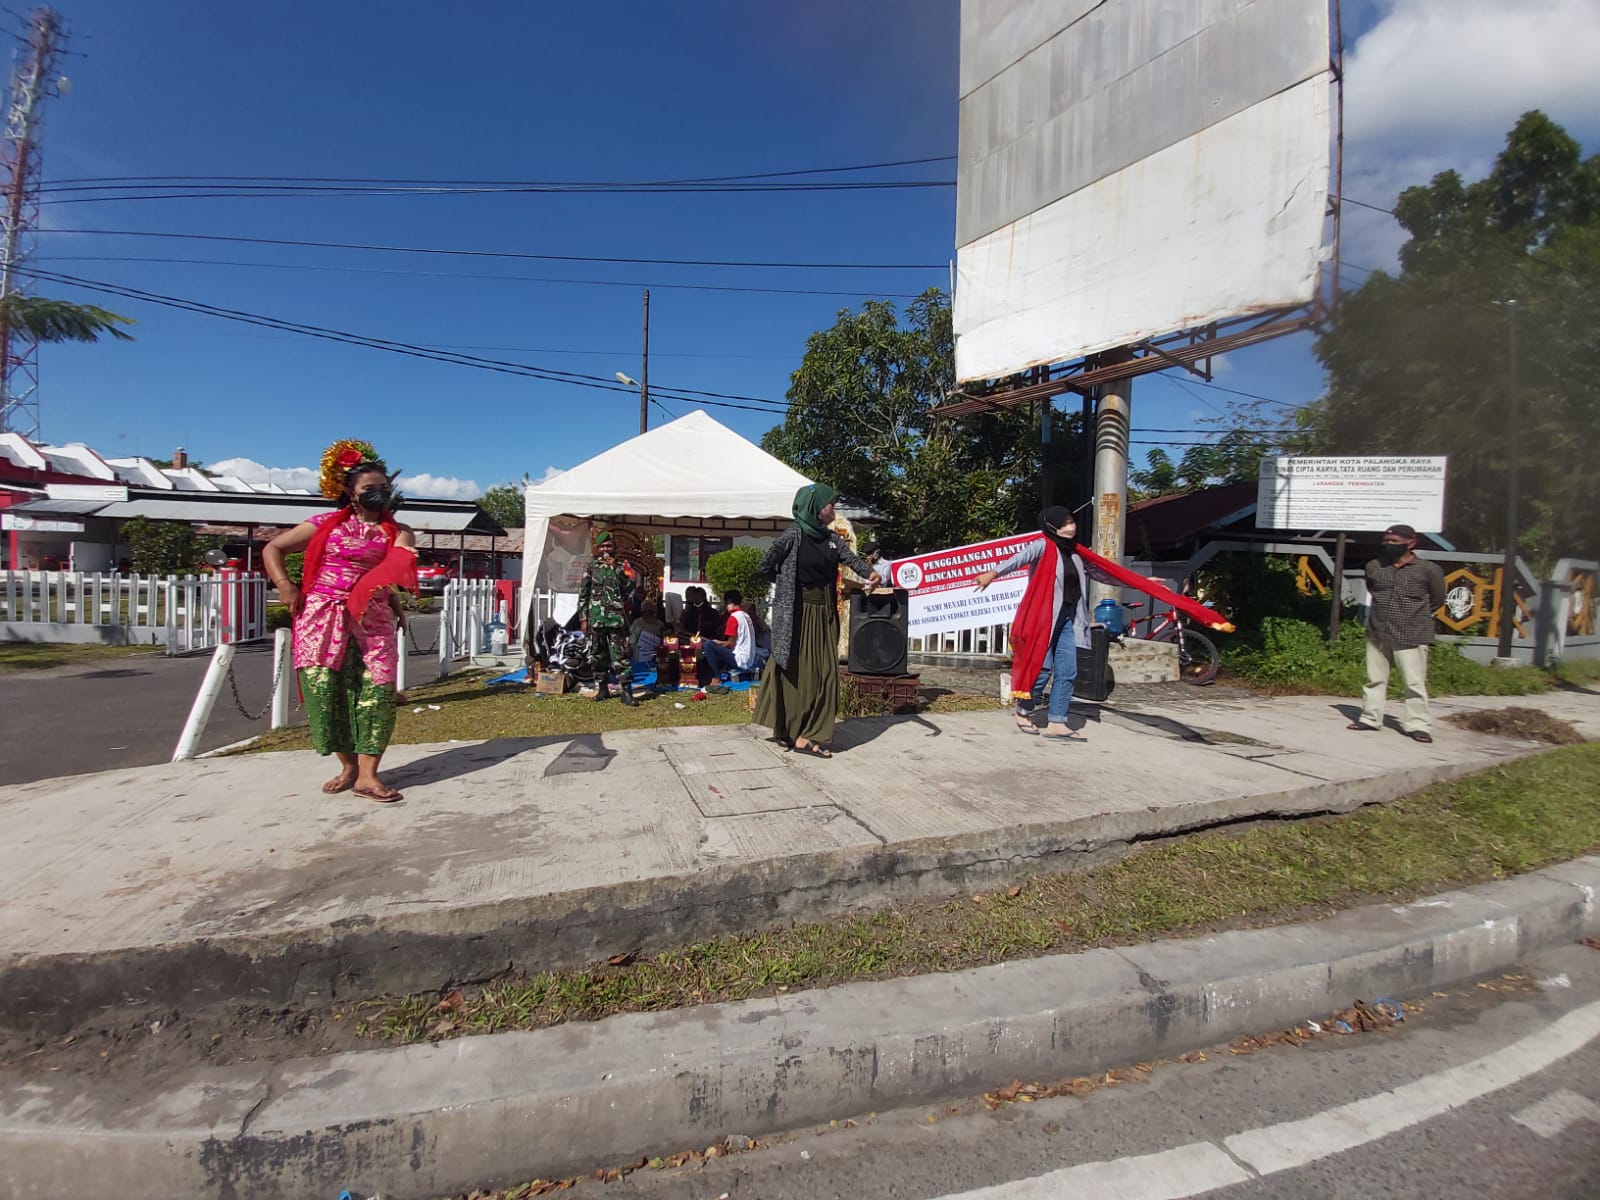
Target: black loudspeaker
[1095,677]
[878,633]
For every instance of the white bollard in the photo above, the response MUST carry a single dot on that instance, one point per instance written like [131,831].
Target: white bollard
[444,643]
[283,672]
[400,663]
[210,688]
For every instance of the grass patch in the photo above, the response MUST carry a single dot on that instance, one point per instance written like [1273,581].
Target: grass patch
[470,710]
[1501,822]
[1579,672]
[1289,656]
[39,656]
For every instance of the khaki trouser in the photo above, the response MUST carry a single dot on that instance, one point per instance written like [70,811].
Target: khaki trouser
[1413,666]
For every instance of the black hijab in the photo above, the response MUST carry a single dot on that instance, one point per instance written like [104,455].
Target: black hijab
[1053,518]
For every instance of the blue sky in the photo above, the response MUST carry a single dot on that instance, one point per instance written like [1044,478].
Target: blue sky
[626,91]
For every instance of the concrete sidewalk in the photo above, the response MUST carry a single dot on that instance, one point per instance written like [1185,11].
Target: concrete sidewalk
[236,880]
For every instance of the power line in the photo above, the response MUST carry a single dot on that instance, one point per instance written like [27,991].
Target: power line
[545,374]
[276,192]
[510,254]
[307,179]
[1378,208]
[693,287]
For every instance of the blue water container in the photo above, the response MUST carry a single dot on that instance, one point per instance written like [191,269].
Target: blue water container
[1109,613]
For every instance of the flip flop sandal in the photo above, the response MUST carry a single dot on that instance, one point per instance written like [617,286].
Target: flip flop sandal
[814,750]
[1064,737]
[1026,726]
[1359,727]
[1425,738]
[334,791]
[385,796]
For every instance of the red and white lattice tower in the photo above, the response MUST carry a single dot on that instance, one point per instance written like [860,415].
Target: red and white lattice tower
[32,82]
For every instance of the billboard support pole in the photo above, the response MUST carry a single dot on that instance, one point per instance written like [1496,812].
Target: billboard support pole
[1336,605]
[1110,475]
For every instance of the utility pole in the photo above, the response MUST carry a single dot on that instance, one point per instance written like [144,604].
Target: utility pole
[33,80]
[1110,475]
[1046,411]
[644,370]
[1508,572]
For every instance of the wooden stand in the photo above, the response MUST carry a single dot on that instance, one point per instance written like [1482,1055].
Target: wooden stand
[900,691]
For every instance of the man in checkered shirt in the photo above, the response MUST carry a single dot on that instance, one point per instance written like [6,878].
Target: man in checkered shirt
[1405,591]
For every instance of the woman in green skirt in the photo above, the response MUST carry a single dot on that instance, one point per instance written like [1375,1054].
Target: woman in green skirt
[800,683]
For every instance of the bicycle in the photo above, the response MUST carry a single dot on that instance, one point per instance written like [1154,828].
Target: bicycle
[1197,654]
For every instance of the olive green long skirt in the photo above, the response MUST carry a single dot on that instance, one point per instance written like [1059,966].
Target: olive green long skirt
[802,701]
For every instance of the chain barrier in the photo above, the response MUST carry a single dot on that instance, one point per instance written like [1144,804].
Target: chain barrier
[411,637]
[277,678]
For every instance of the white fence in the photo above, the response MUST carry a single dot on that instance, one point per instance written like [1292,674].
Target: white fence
[977,645]
[469,605]
[182,613]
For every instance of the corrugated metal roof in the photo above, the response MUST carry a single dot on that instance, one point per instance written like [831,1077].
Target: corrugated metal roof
[59,508]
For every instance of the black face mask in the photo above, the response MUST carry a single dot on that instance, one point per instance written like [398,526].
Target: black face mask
[374,499]
[1389,554]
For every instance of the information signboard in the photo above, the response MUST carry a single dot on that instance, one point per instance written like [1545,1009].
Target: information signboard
[1351,495]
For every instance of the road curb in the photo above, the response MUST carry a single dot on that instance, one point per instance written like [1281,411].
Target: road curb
[430,1120]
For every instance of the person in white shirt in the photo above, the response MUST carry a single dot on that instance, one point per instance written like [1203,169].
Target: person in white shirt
[736,649]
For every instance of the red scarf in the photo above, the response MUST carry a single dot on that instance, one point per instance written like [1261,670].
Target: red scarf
[393,570]
[1035,620]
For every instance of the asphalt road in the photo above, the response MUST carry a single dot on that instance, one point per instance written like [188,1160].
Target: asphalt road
[1486,1093]
[129,711]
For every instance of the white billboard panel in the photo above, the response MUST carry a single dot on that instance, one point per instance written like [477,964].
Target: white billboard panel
[1352,494]
[1224,223]
[1108,147]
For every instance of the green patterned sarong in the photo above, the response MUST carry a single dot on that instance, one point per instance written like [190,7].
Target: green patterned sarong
[348,712]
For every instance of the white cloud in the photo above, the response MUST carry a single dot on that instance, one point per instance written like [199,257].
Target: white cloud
[551,472]
[439,487]
[1436,84]
[252,472]
[424,486]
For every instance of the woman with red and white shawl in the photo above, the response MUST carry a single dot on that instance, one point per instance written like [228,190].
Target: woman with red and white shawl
[1052,621]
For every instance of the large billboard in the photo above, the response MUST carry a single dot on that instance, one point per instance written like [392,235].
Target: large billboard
[1130,168]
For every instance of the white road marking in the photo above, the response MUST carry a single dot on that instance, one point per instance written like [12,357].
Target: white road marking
[1551,1116]
[1293,1144]
[1170,1175]
[1201,1167]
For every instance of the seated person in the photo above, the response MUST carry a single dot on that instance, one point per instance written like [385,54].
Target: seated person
[645,634]
[736,649]
[698,618]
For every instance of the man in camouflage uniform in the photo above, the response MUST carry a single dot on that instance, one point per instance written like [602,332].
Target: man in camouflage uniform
[602,601]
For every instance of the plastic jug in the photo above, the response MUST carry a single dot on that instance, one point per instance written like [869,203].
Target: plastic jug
[1109,613]
[495,635]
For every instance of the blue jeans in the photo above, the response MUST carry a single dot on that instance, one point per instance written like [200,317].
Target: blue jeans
[723,662]
[1063,657]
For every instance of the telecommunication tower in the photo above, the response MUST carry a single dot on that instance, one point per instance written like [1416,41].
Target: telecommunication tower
[33,80]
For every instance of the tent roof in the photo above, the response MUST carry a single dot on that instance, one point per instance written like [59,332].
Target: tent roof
[692,467]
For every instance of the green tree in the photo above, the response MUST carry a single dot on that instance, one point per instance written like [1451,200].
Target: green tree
[163,547]
[858,419]
[505,504]
[735,569]
[1418,364]
[58,321]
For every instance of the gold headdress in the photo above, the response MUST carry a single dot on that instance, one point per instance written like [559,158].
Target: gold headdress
[337,460]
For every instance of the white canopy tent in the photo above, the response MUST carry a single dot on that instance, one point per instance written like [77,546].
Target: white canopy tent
[692,475]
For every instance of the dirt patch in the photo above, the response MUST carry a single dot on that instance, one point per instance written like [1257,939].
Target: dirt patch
[1527,724]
